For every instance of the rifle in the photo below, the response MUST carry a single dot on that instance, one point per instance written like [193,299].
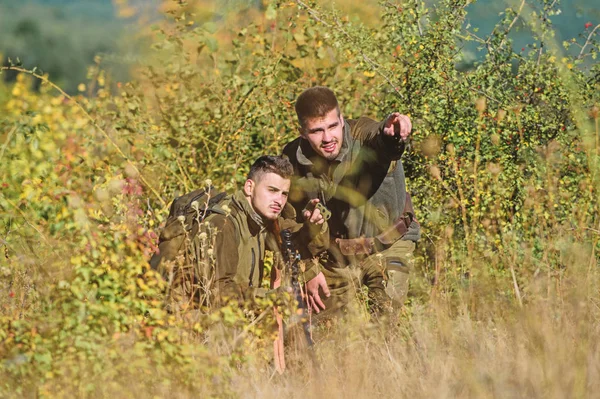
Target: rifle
[292,259]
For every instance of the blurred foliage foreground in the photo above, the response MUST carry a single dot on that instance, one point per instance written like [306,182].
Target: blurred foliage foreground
[504,170]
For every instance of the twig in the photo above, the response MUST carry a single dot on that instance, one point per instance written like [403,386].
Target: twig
[516,285]
[587,42]
[249,326]
[545,17]
[42,235]
[367,59]
[92,120]
[485,95]
[7,141]
[477,38]
[510,25]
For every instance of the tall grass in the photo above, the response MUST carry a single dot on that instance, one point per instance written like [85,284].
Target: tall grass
[505,295]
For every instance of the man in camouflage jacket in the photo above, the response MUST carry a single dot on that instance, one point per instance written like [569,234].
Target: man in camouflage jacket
[223,256]
[354,168]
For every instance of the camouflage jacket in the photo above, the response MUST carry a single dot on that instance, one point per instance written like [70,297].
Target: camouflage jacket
[364,187]
[224,255]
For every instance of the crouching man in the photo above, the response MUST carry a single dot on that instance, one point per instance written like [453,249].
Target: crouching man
[213,246]
[354,168]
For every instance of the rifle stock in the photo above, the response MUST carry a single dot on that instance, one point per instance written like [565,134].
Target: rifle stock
[292,264]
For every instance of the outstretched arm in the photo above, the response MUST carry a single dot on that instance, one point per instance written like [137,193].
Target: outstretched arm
[387,138]
[397,125]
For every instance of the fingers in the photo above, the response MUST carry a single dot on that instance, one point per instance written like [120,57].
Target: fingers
[317,299]
[306,214]
[391,120]
[316,217]
[325,289]
[312,214]
[313,202]
[315,303]
[312,306]
[312,290]
[397,124]
[404,126]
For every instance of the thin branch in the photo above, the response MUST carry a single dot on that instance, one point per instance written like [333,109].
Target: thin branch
[587,42]
[541,50]
[315,15]
[7,141]
[477,38]
[92,120]
[539,58]
[247,328]
[514,21]
[485,95]
[33,226]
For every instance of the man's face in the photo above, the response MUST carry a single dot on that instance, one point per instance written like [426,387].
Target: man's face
[325,134]
[268,194]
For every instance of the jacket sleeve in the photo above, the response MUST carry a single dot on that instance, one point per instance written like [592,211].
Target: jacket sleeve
[226,257]
[309,242]
[317,243]
[370,134]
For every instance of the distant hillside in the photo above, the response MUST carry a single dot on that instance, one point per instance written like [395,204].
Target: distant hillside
[62,36]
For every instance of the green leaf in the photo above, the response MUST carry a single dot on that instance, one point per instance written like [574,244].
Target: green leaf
[210,27]
[212,44]
[271,13]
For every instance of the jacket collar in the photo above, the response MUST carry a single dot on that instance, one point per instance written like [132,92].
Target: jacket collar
[255,222]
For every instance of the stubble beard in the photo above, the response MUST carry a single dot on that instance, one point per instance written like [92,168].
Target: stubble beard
[331,156]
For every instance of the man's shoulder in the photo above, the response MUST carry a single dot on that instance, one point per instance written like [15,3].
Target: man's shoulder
[223,213]
[290,149]
[363,129]
[360,123]
[225,226]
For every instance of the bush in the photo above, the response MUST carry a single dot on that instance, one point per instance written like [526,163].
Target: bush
[503,169]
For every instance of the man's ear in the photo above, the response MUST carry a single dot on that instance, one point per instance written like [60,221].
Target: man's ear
[301,132]
[249,187]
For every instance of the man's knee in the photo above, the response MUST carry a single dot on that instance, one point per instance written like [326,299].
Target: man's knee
[399,263]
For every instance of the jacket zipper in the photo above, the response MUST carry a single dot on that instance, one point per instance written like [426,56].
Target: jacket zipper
[252,269]
[260,265]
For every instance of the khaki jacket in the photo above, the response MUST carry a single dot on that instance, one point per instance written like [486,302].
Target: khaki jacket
[224,256]
[364,187]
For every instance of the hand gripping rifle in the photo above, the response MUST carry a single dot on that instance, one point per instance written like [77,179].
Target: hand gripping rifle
[291,259]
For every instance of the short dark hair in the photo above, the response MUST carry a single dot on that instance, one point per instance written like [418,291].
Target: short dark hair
[271,164]
[315,102]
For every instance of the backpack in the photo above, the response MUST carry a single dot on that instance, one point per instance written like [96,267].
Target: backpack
[194,207]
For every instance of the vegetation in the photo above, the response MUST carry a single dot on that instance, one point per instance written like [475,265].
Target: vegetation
[504,170]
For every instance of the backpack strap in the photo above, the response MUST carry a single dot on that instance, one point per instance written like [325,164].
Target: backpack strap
[194,207]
